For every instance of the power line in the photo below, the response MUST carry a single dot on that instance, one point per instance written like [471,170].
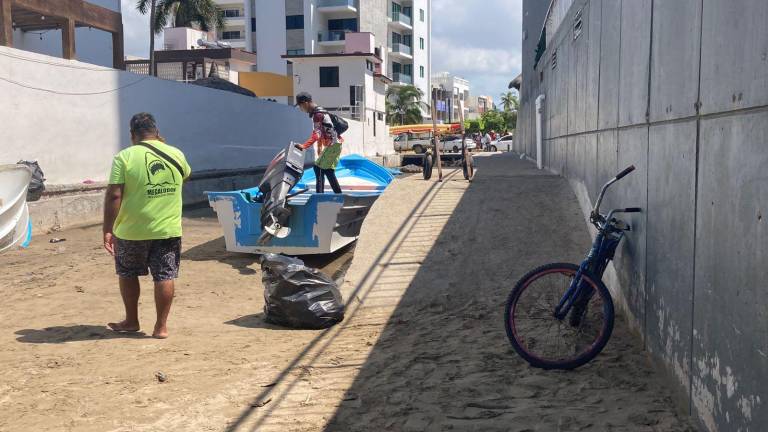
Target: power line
[27,86]
[64,65]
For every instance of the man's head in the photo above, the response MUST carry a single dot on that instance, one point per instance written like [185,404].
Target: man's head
[304,102]
[143,127]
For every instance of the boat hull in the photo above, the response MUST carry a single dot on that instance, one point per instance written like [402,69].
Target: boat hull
[319,223]
[15,226]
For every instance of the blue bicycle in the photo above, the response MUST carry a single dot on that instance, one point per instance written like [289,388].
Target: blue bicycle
[560,315]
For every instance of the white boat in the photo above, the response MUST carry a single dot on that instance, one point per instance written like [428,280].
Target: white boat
[15,226]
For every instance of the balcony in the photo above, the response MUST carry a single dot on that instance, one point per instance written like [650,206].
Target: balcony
[400,21]
[401,78]
[332,37]
[401,50]
[337,5]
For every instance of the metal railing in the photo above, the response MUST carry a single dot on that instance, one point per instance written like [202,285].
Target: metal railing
[402,78]
[402,18]
[401,48]
[336,3]
[331,35]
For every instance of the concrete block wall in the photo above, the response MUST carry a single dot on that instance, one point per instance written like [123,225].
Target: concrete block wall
[678,88]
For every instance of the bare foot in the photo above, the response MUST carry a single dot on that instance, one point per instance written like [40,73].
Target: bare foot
[124,326]
[160,332]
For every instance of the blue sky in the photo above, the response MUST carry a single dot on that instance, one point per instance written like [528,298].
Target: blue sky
[475,39]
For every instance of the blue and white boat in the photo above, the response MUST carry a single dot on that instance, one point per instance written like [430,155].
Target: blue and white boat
[15,225]
[313,223]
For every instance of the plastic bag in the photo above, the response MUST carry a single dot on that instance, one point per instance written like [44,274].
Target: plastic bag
[299,296]
[37,183]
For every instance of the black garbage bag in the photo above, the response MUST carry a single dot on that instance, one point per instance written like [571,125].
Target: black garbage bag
[37,183]
[299,296]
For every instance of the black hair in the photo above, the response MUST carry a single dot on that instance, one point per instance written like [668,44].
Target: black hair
[143,124]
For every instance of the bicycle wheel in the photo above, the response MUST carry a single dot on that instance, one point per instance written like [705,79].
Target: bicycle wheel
[543,340]
[427,166]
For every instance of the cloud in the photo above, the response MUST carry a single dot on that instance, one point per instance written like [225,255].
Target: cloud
[136,30]
[479,41]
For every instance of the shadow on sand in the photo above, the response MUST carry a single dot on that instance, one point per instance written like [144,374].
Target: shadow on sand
[73,333]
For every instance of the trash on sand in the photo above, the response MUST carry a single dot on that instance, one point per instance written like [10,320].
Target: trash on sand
[161,377]
[57,240]
[299,296]
[260,404]
[411,169]
[37,182]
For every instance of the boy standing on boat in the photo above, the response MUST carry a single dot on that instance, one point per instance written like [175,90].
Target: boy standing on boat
[328,141]
[142,220]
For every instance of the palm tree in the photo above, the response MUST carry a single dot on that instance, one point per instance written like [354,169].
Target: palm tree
[509,101]
[204,14]
[143,6]
[404,105]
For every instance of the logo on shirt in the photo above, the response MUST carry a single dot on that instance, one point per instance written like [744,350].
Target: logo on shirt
[161,180]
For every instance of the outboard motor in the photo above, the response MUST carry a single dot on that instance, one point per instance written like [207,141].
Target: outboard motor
[281,176]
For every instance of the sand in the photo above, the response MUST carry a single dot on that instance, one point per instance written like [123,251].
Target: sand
[422,348]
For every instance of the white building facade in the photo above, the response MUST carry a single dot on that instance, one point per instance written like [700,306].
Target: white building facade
[459,89]
[401,29]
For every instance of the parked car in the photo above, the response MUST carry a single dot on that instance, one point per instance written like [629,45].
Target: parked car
[408,142]
[452,143]
[504,143]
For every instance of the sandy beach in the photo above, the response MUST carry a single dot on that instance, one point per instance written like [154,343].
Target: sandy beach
[422,347]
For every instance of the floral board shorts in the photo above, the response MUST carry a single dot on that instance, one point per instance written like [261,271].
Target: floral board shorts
[161,257]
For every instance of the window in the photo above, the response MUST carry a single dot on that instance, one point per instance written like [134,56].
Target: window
[295,52]
[421,43]
[421,71]
[231,35]
[329,76]
[421,15]
[232,13]
[294,22]
[348,24]
[253,24]
[369,65]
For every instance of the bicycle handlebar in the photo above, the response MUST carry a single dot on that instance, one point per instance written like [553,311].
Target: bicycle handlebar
[626,171]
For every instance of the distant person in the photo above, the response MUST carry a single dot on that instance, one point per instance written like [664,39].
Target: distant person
[486,141]
[328,143]
[142,220]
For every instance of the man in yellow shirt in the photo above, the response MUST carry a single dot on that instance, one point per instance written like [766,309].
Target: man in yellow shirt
[142,220]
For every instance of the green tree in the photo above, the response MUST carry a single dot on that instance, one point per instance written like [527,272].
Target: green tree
[203,14]
[509,101]
[404,104]
[493,120]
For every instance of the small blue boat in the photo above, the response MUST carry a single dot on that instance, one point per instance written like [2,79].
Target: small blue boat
[317,223]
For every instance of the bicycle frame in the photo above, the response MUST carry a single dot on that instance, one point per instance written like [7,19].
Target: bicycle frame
[610,231]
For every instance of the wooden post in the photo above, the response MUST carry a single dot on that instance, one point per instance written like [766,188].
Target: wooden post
[68,39]
[6,23]
[118,53]
[435,138]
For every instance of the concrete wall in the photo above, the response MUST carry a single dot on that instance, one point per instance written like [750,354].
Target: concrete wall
[73,117]
[679,89]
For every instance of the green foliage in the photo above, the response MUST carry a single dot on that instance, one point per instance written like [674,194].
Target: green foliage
[202,14]
[403,105]
[474,126]
[509,101]
[493,120]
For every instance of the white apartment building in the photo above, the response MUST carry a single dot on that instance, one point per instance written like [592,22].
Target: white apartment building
[458,88]
[401,29]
